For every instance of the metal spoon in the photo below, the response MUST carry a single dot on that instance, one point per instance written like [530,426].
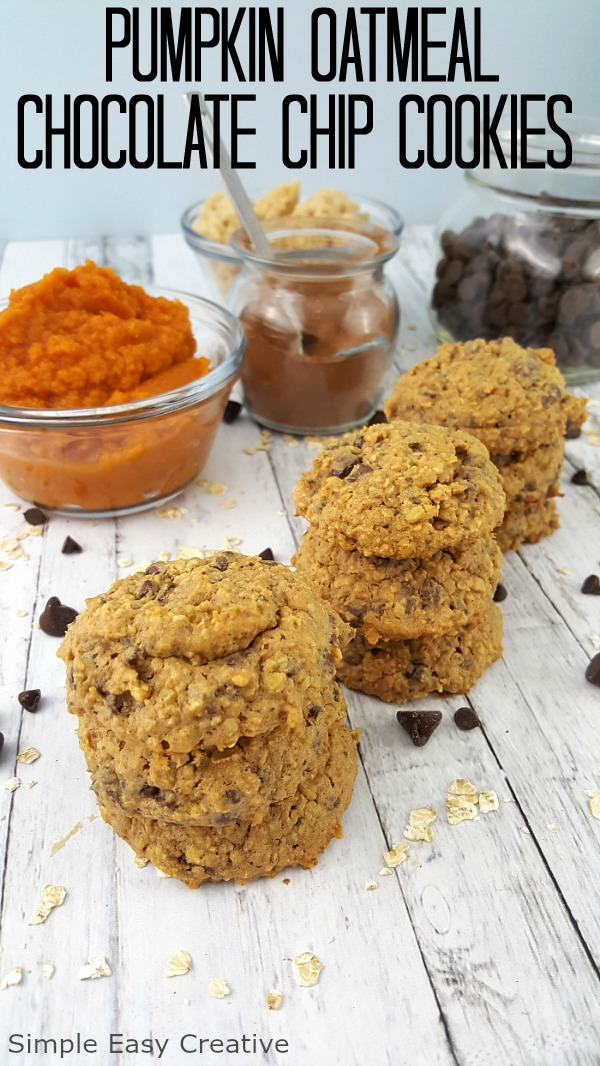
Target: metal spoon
[235,188]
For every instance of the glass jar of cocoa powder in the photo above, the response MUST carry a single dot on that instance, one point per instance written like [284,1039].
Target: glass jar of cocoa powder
[519,255]
[321,321]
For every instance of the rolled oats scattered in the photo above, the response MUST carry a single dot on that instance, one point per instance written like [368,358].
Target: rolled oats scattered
[216,488]
[139,862]
[171,512]
[31,784]
[488,801]
[594,798]
[13,977]
[460,809]
[94,968]
[124,562]
[306,969]
[419,824]
[227,505]
[553,828]
[370,886]
[292,442]
[274,1000]
[179,964]
[232,542]
[524,829]
[48,970]
[52,896]
[21,614]
[385,872]
[218,988]
[397,854]
[28,755]
[12,784]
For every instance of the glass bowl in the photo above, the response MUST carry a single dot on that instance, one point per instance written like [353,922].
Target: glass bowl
[99,461]
[225,262]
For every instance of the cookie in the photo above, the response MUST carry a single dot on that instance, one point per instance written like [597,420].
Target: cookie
[530,476]
[207,786]
[293,832]
[511,398]
[527,524]
[402,490]
[404,670]
[391,599]
[202,652]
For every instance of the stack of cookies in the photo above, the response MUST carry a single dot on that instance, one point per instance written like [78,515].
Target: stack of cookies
[401,544]
[210,717]
[515,401]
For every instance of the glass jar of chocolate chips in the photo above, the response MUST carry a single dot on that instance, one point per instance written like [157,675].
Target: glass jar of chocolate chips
[519,256]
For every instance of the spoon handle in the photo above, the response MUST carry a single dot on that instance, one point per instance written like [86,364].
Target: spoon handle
[232,181]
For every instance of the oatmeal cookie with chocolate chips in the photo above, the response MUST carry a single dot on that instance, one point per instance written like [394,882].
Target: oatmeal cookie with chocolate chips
[531,476]
[293,832]
[209,787]
[202,652]
[402,490]
[526,524]
[391,599]
[407,669]
[511,398]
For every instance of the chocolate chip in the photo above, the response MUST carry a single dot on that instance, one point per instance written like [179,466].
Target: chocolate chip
[345,470]
[573,431]
[232,411]
[419,724]
[593,670]
[145,588]
[149,791]
[233,795]
[34,516]
[591,585]
[466,718]
[314,711]
[500,593]
[71,547]
[580,478]
[56,617]
[121,703]
[359,470]
[377,417]
[30,699]
[1,741]
[266,555]
[221,562]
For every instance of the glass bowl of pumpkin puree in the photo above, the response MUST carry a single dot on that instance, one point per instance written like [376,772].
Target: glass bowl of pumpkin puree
[110,394]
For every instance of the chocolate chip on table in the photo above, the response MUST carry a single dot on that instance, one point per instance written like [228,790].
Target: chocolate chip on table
[466,718]
[34,516]
[591,585]
[580,478]
[232,411]
[30,699]
[419,724]
[56,617]
[71,547]
[266,555]
[500,593]
[592,672]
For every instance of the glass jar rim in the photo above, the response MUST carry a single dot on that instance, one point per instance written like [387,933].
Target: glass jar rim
[358,246]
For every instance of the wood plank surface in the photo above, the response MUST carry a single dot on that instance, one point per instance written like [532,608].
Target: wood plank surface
[483,947]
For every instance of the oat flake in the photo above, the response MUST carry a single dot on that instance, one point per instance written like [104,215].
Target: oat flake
[385,872]
[28,755]
[274,1000]
[419,827]
[488,801]
[94,968]
[48,970]
[397,854]
[306,969]
[179,964]
[462,787]
[12,784]
[370,886]
[139,862]
[594,798]
[218,988]
[227,505]
[460,809]
[52,896]
[553,828]
[13,977]
[124,561]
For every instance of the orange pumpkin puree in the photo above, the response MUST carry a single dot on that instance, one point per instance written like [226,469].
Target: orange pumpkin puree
[83,338]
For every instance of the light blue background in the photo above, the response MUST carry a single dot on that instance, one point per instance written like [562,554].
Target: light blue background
[57,46]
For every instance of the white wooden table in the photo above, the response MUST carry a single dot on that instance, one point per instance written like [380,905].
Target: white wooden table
[482,948]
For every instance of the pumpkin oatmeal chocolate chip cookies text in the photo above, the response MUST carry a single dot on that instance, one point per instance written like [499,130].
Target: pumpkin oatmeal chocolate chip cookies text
[210,717]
